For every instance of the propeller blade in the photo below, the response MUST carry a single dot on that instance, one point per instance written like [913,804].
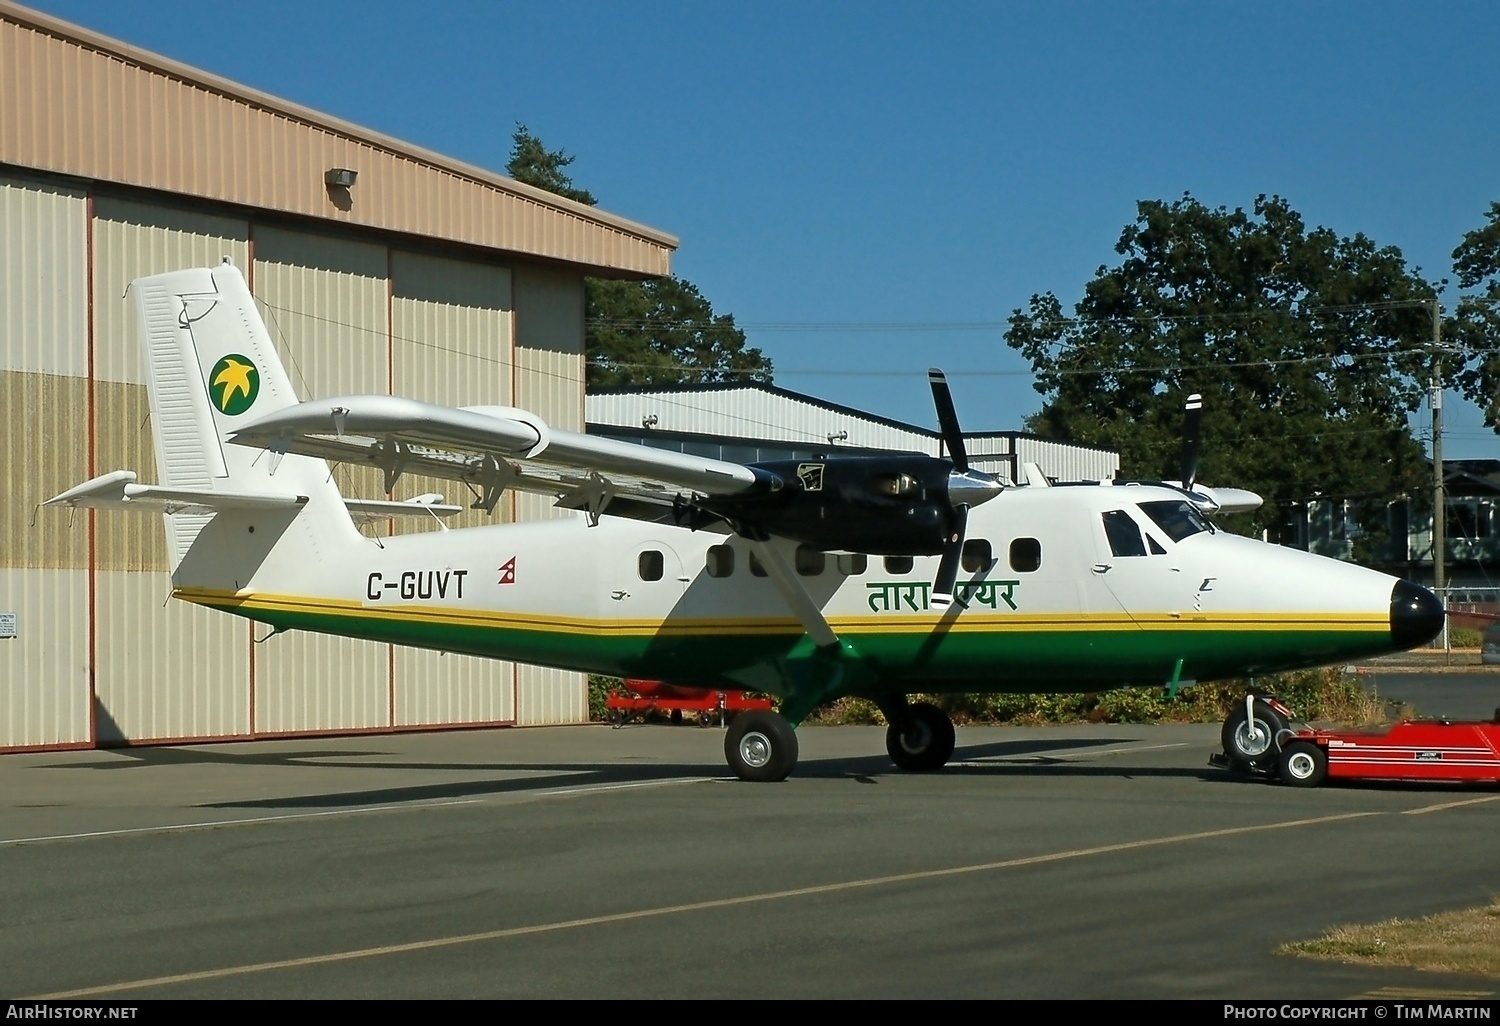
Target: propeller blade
[1192,420]
[953,439]
[947,575]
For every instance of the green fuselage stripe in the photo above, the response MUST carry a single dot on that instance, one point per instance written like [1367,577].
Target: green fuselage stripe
[1081,656]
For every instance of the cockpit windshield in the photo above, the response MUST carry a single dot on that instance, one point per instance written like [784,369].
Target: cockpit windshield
[1178,518]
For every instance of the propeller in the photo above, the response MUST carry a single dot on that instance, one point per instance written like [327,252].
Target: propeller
[1209,500]
[1192,422]
[966,488]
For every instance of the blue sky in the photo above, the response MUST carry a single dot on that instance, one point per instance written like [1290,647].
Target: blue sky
[930,165]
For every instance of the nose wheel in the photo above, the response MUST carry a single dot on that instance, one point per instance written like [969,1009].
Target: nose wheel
[1252,732]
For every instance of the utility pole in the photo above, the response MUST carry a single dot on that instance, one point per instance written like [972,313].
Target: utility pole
[1439,536]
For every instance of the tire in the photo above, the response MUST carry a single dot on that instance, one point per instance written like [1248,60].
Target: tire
[616,717]
[1257,750]
[761,747]
[706,718]
[1302,764]
[676,717]
[927,746]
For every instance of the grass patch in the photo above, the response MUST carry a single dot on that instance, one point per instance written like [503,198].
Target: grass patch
[1455,942]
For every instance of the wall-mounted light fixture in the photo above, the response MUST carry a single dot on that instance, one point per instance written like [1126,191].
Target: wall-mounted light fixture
[649,421]
[339,177]
[842,436]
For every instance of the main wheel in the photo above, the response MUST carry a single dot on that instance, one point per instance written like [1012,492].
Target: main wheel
[926,745]
[1303,764]
[1252,742]
[761,746]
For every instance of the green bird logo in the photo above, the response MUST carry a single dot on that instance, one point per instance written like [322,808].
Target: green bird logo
[234,384]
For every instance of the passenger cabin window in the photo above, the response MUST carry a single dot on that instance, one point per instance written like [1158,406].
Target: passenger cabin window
[977,556]
[651,564]
[810,561]
[898,564]
[852,564]
[1178,518]
[1025,555]
[719,560]
[757,569]
[1124,536]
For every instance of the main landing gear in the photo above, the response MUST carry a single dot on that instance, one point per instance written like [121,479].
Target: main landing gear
[761,746]
[920,737]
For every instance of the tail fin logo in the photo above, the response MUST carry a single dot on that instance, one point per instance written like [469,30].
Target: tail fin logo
[234,383]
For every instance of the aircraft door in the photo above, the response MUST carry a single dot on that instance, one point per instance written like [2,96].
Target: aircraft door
[1135,573]
[648,582]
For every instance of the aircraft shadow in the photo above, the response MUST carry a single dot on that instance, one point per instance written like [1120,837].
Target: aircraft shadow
[1034,757]
[542,777]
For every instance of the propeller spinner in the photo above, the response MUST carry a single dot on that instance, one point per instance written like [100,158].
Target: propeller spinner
[966,488]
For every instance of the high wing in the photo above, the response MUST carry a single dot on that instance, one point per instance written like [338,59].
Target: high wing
[492,448]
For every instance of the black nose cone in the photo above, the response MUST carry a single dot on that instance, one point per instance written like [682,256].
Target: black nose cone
[1416,615]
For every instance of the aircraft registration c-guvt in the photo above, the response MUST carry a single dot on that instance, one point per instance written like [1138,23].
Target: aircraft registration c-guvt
[871,575]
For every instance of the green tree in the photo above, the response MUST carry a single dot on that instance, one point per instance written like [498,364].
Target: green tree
[534,164]
[642,333]
[1474,328]
[1307,348]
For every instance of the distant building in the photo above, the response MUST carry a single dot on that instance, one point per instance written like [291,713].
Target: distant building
[1471,550]
[749,423]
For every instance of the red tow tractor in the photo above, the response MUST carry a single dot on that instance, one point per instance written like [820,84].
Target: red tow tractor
[706,705]
[1436,750]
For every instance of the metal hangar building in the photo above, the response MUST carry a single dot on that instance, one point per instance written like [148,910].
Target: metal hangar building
[379,267]
[747,423]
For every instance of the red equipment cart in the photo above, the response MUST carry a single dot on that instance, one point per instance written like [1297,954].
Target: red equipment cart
[706,705]
[1413,750]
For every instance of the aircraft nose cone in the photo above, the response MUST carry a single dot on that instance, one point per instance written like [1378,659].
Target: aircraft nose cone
[1416,615]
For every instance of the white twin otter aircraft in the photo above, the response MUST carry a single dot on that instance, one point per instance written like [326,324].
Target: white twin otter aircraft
[876,575]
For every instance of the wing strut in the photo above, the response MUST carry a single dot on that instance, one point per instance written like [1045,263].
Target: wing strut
[794,594]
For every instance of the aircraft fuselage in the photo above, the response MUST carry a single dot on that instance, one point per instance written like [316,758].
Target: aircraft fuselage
[1063,589]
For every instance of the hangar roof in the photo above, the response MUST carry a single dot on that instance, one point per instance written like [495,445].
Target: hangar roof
[77,103]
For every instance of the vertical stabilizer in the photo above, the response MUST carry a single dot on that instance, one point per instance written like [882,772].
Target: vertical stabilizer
[210,369]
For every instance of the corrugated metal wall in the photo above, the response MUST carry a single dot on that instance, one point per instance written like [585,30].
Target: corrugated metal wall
[451,343]
[755,413]
[44,356]
[348,316]
[1066,462]
[326,301]
[549,380]
[164,669]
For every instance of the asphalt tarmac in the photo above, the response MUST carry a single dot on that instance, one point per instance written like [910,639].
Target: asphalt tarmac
[586,862]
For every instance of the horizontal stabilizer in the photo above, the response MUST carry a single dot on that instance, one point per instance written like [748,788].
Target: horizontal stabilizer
[118,490]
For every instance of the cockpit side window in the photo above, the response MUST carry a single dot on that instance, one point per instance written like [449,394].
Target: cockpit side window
[1178,518]
[1123,534]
